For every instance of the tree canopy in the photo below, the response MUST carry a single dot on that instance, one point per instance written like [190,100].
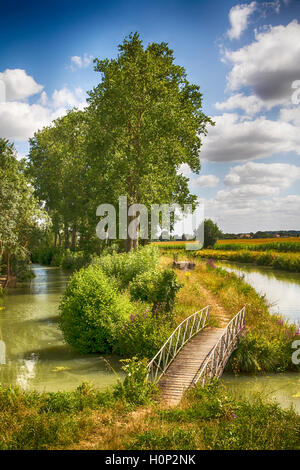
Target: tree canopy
[143,121]
[20,216]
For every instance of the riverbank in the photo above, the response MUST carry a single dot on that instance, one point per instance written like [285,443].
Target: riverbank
[207,419]
[286,261]
[214,418]
[266,344]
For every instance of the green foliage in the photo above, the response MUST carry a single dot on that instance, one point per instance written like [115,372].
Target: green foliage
[259,351]
[29,420]
[92,311]
[211,419]
[177,439]
[74,260]
[21,218]
[211,233]
[143,335]
[158,287]
[126,266]
[135,389]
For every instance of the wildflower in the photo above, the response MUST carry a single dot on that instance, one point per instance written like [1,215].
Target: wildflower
[234,415]
[298,333]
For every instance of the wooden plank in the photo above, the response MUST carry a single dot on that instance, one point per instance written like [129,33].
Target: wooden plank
[180,374]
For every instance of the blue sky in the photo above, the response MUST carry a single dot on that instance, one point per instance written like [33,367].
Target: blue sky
[244,55]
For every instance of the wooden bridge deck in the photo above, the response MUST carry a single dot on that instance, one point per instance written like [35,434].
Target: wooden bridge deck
[180,374]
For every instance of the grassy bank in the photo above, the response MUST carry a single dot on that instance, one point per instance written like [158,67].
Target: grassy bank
[207,418]
[286,261]
[282,261]
[265,345]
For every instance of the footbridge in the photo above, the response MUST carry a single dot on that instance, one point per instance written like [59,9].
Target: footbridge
[194,353]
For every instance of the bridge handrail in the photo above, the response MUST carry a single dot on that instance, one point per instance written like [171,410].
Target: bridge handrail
[180,336]
[216,360]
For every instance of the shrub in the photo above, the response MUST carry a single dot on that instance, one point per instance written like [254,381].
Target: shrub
[135,389]
[259,351]
[74,260]
[92,311]
[125,266]
[158,287]
[143,335]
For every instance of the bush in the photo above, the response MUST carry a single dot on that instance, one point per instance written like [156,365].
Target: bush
[143,335]
[92,311]
[125,266]
[135,389]
[74,260]
[158,287]
[262,352]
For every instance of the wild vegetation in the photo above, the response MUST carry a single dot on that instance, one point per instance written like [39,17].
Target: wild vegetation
[126,417]
[122,302]
[279,255]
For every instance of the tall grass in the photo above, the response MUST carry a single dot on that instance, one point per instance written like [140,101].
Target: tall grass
[287,261]
[207,418]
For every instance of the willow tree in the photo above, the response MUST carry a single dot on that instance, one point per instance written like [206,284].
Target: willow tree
[146,120]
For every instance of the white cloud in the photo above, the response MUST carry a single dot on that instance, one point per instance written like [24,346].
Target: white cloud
[238,17]
[238,211]
[274,175]
[81,61]
[251,105]
[18,119]
[184,169]
[269,65]
[237,139]
[205,181]
[19,85]
[67,98]
[291,115]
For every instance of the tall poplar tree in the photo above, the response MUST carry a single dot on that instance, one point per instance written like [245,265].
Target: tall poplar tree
[145,121]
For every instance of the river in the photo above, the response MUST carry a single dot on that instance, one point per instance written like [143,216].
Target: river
[282,292]
[33,354]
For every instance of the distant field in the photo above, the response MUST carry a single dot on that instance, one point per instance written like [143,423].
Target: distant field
[258,241]
[284,245]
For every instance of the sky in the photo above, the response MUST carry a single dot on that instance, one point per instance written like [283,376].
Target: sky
[245,56]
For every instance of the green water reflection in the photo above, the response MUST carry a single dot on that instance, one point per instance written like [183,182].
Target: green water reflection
[282,291]
[32,351]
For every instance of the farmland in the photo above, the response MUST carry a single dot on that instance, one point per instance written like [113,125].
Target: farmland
[283,254]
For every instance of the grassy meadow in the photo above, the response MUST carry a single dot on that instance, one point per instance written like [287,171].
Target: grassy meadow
[281,253]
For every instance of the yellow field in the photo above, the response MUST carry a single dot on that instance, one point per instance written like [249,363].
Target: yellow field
[238,241]
[258,241]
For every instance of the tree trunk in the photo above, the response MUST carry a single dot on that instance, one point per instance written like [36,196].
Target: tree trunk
[55,240]
[74,237]
[66,234]
[9,276]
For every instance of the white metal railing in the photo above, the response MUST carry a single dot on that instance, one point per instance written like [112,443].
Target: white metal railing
[180,336]
[216,360]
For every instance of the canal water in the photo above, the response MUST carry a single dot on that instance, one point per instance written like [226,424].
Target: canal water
[282,292]
[33,354]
